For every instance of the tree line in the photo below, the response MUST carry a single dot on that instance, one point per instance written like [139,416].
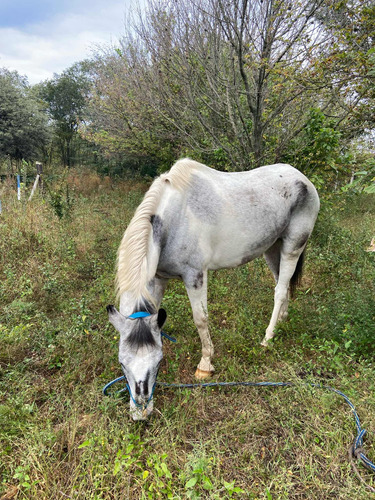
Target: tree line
[233,83]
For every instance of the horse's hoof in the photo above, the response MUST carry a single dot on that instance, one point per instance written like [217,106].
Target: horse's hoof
[201,374]
[264,343]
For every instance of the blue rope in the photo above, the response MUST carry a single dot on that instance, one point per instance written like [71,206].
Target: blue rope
[358,442]
[166,336]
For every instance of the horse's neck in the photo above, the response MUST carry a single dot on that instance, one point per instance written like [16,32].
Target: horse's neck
[153,255]
[129,304]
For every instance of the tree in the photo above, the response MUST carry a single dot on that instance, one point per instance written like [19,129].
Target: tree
[23,126]
[317,149]
[349,65]
[232,82]
[65,96]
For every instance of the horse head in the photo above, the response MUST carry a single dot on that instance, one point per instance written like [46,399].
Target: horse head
[140,355]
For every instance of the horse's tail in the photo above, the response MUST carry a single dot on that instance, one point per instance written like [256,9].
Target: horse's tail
[296,278]
[134,269]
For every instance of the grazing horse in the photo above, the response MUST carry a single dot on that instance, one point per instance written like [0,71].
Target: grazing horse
[193,219]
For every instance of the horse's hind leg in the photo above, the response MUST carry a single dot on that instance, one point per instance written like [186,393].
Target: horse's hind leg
[273,257]
[288,264]
[197,291]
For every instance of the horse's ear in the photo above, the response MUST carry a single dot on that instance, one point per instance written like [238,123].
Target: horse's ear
[115,317]
[162,316]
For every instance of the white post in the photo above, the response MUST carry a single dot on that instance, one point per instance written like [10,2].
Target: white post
[34,187]
[39,171]
[18,186]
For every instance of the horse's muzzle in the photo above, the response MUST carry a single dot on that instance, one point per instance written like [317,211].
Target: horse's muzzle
[141,412]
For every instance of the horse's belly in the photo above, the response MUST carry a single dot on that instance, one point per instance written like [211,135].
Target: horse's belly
[238,245]
[233,256]
[234,251]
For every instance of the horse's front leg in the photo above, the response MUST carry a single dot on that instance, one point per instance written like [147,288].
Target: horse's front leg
[157,289]
[196,287]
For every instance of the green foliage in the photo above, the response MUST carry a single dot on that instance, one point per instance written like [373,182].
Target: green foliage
[23,126]
[150,471]
[231,489]
[350,64]
[320,146]
[65,99]
[351,307]
[60,200]
[363,181]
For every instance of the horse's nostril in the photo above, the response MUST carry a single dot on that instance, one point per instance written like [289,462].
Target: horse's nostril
[145,387]
[141,388]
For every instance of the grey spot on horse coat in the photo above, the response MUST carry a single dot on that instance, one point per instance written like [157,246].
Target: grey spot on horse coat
[246,259]
[192,278]
[301,195]
[198,283]
[204,201]
[302,240]
[140,335]
[157,227]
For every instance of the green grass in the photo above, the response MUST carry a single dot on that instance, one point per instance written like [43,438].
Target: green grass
[60,438]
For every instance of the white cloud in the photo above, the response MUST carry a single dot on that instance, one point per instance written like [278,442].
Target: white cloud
[39,50]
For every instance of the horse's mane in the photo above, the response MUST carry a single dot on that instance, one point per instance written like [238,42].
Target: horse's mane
[133,272]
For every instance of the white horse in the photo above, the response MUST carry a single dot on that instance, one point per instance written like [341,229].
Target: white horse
[193,219]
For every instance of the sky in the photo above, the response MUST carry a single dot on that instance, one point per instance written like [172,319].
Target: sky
[41,37]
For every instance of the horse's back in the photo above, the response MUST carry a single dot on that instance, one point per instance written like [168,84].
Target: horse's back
[260,186]
[235,217]
[252,200]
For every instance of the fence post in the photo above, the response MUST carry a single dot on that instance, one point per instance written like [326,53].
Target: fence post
[34,187]
[39,170]
[18,187]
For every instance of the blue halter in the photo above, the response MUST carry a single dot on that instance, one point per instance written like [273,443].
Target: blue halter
[140,314]
[137,315]
[143,314]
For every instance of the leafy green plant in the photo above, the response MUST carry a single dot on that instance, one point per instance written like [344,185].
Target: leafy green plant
[231,489]
[198,478]
[124,459]
[363,181]
[318,150]
[60,197]
[158,477]
[60,200]
[22,476]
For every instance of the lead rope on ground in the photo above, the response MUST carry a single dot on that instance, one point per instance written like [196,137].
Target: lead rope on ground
[356,449]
